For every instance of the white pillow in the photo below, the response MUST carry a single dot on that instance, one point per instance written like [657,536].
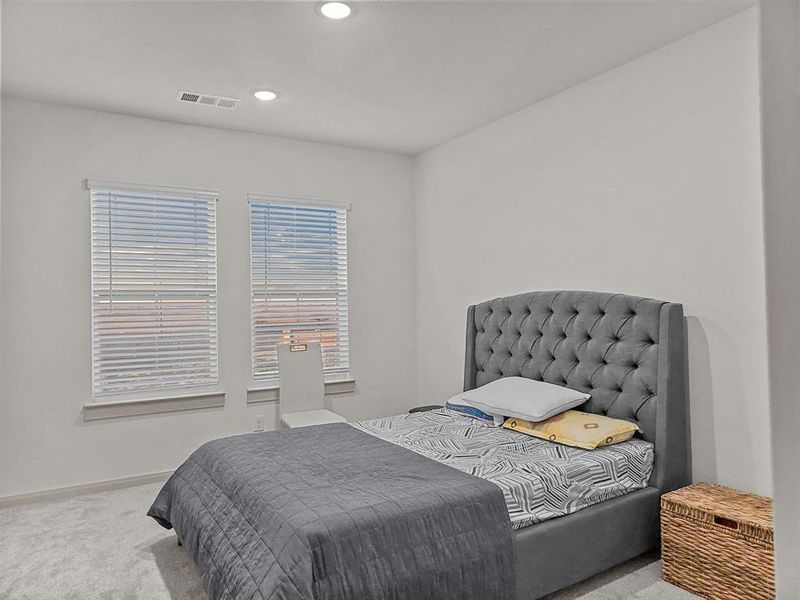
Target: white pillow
[523,398]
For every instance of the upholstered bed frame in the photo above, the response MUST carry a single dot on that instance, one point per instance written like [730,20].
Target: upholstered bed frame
[629,353]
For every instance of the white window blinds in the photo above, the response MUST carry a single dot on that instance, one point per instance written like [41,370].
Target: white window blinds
[154,288]
[298,282]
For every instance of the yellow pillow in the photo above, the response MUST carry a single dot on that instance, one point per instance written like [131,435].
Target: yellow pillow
[576,428]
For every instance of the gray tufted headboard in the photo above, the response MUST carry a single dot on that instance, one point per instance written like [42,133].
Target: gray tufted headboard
[628,352]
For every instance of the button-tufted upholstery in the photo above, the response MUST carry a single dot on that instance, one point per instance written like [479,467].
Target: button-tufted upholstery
[607,345]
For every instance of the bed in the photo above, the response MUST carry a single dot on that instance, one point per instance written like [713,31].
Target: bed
[403,508]
[629,353]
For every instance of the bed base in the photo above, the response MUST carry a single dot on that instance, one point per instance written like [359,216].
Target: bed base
[564,551]
[560,552]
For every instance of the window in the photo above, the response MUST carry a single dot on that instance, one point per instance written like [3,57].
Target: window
[154,288]
[298,270]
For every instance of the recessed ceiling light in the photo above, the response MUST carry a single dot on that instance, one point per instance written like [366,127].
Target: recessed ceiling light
[265,95]
[335,10]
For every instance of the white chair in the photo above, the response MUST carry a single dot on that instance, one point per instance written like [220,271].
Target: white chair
[302,387]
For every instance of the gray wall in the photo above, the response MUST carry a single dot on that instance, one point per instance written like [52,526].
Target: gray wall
[644,180]
[780,84]
[45,349]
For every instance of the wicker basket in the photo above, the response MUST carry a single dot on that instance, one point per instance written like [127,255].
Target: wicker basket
[717,542]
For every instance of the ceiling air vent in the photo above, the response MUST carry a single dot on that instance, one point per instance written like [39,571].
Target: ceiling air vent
[207,100]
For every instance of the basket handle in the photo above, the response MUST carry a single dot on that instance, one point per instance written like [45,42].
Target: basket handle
[729,523]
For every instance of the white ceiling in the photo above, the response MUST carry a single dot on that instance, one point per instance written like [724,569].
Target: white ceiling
[400,76]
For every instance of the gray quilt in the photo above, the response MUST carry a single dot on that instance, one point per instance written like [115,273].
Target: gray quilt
[330,512]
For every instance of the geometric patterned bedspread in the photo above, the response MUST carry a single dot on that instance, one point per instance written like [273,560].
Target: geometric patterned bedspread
[540,479]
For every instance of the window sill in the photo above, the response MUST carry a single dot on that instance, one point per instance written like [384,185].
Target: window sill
[147,406]
[271,392]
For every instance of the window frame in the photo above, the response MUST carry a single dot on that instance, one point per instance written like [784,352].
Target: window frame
[188,394]
[330,379]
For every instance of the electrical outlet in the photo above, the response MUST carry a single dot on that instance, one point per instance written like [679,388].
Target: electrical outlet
[258,423]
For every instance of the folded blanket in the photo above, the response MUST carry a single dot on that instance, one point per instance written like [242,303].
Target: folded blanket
[330,512]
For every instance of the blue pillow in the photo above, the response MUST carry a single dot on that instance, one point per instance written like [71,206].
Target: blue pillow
[475,413]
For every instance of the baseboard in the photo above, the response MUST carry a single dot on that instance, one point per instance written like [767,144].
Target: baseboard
[84,488]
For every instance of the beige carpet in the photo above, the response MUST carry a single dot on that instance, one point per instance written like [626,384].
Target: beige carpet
[102,546]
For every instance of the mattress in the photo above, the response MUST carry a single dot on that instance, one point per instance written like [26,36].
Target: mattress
[540,480]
